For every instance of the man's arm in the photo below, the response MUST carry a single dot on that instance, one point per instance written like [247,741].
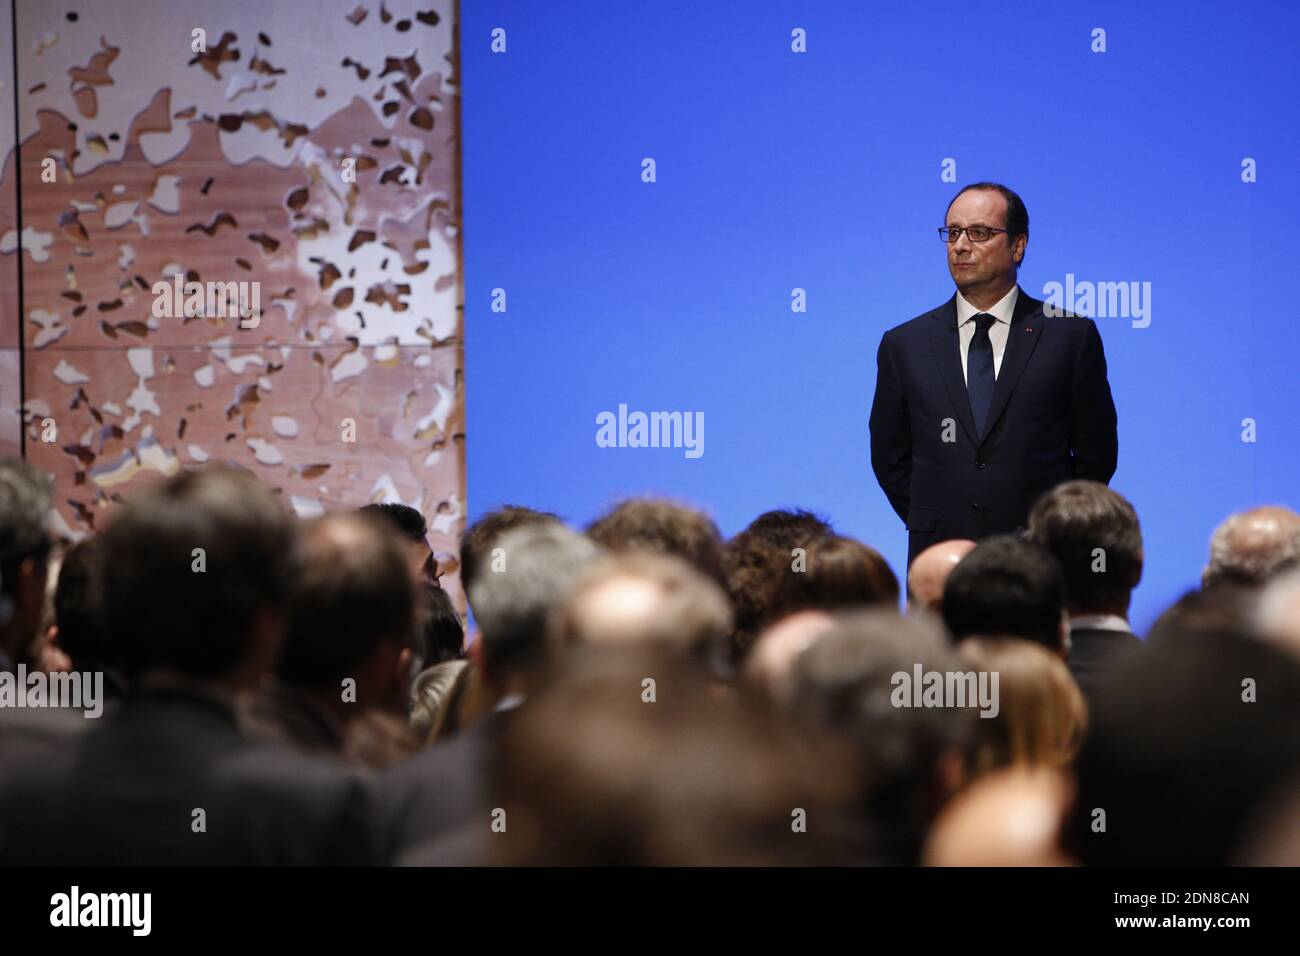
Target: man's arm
[1094,439]
[891,434]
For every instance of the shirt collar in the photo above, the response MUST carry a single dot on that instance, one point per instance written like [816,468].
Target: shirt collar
[1099,622]
[1002,310]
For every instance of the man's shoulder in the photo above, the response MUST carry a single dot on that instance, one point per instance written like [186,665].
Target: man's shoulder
[917,325]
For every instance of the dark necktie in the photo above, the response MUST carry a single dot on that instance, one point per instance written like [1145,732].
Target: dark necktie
[979,371]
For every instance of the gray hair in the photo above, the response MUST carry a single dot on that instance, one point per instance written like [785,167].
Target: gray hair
[525,577]
[24,510]
[1252,546]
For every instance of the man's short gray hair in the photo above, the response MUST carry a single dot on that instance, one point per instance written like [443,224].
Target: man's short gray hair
[1252,546]
[24,510]
[522,581]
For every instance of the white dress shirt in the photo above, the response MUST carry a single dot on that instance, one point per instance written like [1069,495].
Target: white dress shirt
[998,331]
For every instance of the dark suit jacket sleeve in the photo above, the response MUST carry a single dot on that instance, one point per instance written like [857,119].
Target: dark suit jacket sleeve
[891,434]
[1094,438]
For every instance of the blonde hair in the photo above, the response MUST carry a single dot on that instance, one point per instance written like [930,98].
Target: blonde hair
[1042,715]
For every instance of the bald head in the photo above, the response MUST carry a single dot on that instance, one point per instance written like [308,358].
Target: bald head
[930,570]
[1252,546]
[1278,612]
[1006,818]
[644,598]
[776,650]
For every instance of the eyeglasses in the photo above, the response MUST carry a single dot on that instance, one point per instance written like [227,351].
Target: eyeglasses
[973,233]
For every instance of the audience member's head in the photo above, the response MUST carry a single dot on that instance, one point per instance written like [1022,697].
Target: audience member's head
[439,633]
[25,545]
[1198,734]
[1277,617]
[786,529]
[480,540]
[1041,715]
[79,612]
[665,527]
[1274,838]
[929,572]
[197,572]
[1225,607]
[838,573]
[645,598]
[1007,586]
[352,613]
[1094,534]
[755,569]
[847,683]
[770,664]
[513,601]
[1010,817]
[627,758]
[413,530]
[1251,547]
[431,695]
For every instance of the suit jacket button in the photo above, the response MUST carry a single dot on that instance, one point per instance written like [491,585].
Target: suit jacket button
[974,507]
[979,464]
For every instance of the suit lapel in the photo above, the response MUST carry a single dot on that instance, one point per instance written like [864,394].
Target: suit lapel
[1022,337]
[946,347]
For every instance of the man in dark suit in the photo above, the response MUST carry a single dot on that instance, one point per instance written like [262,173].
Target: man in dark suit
[1094,534]
[436,805]
[984,403]
[195,577]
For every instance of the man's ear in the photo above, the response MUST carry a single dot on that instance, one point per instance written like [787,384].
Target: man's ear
[1137,570]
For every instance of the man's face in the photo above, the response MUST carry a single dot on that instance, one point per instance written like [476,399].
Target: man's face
[419,558]
[982,266]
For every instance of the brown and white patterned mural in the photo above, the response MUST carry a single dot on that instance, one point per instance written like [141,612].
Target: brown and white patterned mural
[304,154]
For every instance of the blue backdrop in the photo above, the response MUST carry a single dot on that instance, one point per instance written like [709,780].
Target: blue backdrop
[824,170]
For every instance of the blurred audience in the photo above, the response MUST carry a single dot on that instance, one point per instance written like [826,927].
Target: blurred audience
[1007,586]
[929,573]
[533,569]
[409,525]
[838,573]
[770,664]
[1200,732]
[1094,534]
[628,759]
[664,527]
[1041,714]
[640,694]
[197,574]
[1011,817]
[25,545]
[1251,547]
[643,598]
[342,679]
[845,683]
